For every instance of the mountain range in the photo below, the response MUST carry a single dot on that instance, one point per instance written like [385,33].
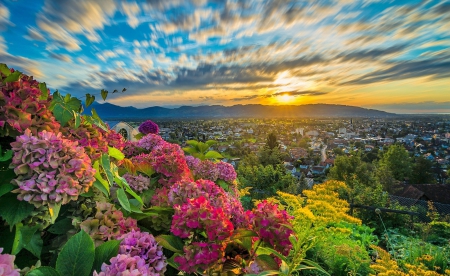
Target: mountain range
[109,111]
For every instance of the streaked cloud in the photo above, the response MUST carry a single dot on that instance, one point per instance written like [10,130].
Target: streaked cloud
[234,51]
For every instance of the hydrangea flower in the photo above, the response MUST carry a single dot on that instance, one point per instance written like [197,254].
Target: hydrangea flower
[199,215]
[7,265]
[149,141]
[114,139]
[200,256]
[107,224]
[24,106]
[50,169]
[206,169]
[148,127]
[271,225]
[125,265]
[130,149]
[138,183]
[144,245]
[168,160]
[226,171]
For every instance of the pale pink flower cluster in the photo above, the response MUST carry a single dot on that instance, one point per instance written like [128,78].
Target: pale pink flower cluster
[138,183]
[50,169]
[125,265]
[7,265]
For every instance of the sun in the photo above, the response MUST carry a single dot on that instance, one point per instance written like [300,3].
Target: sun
[285,98]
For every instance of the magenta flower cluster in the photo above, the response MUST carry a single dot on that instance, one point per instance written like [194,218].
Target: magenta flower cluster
[198,215]
[148,127]
[50,169]
[138,183]
[7,265]
[206,169]
[144,245]
[271,224]
[200,256]
[125,265]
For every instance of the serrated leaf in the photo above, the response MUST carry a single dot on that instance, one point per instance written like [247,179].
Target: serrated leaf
[43,271]
[104,94]
[113,152]
[63,108]
[17,210]
[104,253]
[170,242]
[13,77]
[123,199]
[44,91]
[4,69]
[77,256]
[213,155]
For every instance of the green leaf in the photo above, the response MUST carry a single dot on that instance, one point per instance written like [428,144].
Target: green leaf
[35,245]
[16,210]
[77,256]
[202,147]
[106,164]
[94,114]
[123,183]
[268,250]
[310,266]
[104,94]
[172,262]
[189,150]
[77,117]
[243,233]
[266,262]
[54,211]
[284,268]
[212,154]
[138,136]
[211,142]
[4,69]
[43,271]
[61,226]
[6,188]
[170,242]
[44,91]
[100,183]
[63,108]
[223,184]
[22,237]
[5,157]
[192,143]
[113,152]
[89,99]
[104,253]
[123,199]
[12,77]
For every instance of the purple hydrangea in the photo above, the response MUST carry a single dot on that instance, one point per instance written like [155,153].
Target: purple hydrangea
[7,265]
[138,183]
[150,141]
[125,265]
[148,127]
[226,171]
[206,170]
[144,245]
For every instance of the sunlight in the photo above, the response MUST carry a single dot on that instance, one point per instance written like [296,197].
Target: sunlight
[285,98]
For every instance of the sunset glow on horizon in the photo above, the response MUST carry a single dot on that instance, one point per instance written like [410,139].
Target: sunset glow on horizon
[387,55]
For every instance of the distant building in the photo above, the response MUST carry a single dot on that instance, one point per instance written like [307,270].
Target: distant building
[128,132]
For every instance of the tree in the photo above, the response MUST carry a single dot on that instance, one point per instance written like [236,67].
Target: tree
[271,141]
[422,171]
[397,160]
[270,156]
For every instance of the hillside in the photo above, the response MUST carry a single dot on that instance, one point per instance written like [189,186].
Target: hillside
[110,111]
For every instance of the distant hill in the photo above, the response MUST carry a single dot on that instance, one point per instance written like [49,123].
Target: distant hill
[110,112]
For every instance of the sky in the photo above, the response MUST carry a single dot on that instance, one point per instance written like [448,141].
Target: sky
[387,55]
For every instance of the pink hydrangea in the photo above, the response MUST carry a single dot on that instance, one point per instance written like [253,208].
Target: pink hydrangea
[130,149]
[7,265]
[50,169]
[144,245]
[192,162]
[149,141]
[200,256]
[206,169]
[138,183]
[199,215]
[271,224]
[182,191]
[24,106]
[114,139]
[148,127]
[125,265]
[226,171]
[168,160]
[161,197]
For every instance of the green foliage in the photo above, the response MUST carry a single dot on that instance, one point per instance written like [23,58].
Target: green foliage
[397,160]
[422,171]
[105,252]
[15,210]
[77,256]
[63,108]
[170,242]
[271,141]
[43,271]
[201,150]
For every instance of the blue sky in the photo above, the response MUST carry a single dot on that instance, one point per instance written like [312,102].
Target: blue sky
[388,55]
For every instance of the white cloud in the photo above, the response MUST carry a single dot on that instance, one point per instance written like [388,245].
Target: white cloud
[34,34]
[4,17]
[131,10]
